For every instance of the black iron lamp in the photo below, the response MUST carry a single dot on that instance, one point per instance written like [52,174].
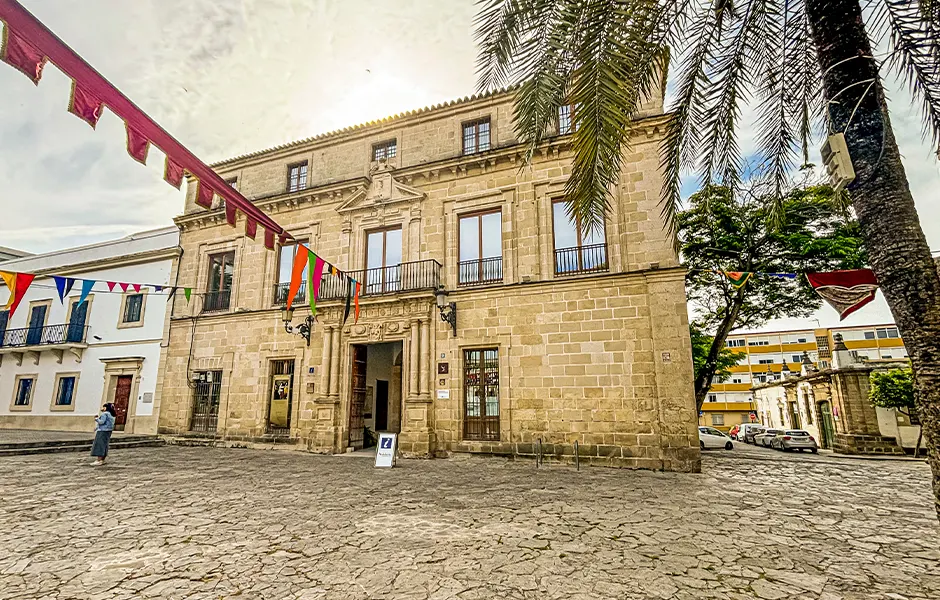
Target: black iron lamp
[303,330]
[448,309]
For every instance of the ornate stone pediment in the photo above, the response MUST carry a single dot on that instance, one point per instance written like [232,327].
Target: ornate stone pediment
[383,190]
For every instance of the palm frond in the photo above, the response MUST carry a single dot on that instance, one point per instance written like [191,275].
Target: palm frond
[915,55]
[498,27]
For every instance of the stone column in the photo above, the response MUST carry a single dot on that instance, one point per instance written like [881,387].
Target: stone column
[414,360]
[326,360]
[334,362]
[425,358]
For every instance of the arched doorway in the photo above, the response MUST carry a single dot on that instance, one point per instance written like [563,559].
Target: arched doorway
[826,428]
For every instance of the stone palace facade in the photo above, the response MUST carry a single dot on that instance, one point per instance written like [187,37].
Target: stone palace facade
[562,335]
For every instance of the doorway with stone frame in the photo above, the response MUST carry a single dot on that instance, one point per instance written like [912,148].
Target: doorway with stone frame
[375,403]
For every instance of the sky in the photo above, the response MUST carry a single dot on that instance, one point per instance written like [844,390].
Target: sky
[226,77]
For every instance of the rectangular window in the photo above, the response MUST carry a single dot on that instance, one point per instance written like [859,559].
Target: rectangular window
[481,248]
[735,343]
[133,308]
[765,361]
[207,391]
[713,397]
[281,395]
[801,341]
[385,150]
[476,136]
[869,335]
[4,321]
[383,261]
[65,391]
[737,380]
[24,391]
[566,123]
[481,394]
[718,419]
[219,289]
[285,267]
[758,343]
[297,177]
[577,249]
[37,323]
[796,358]
[887,332]
[233,182]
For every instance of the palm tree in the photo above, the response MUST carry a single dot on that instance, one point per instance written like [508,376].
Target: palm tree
[809,67]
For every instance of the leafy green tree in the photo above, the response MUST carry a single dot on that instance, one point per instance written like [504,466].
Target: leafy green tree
[894,389]
[724,231]
[810,67]
[702,345]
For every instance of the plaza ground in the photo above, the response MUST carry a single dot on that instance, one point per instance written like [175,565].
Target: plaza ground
[208,523]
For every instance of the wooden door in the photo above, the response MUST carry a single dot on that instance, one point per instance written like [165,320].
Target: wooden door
[36,321]
[381,405]
[76,330]
[357,400]
[826,428]
[122,399]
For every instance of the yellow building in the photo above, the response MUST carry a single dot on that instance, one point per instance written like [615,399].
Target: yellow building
[730,402]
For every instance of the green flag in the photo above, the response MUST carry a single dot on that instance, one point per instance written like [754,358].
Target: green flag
[187,292]
[311,291]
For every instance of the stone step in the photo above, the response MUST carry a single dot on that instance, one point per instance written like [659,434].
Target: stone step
[52,443]
[119,444]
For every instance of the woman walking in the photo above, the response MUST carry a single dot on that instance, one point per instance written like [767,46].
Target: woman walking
[104,425]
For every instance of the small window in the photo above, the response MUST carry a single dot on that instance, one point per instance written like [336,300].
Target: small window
[765,361]
[796,358]
[886,356]
[869,335]
[737,380]
[65,391]
[133,308]
[24,391]
[718,419]
[385,150]
[297,177]
[887,332]
[801,341]
[713,397]
[476,136]
[566,122]
[233,182]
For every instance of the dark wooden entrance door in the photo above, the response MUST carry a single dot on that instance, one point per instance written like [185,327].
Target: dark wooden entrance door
[122,399]
[381,405]
[357,401]
[826,429]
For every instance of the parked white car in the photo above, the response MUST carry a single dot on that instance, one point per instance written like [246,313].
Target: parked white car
[709,437]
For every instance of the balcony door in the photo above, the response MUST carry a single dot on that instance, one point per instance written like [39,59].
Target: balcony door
[578,249]
[219,290]
[37,319]
[285,268]
[383,261]
[76,328]
[481,248]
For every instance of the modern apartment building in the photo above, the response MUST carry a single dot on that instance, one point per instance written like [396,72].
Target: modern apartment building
[61,360]
[766,354]
[558,337]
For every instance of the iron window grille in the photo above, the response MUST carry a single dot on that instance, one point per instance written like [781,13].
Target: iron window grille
[476,136]
[297,177]
[385,150]
[481,394]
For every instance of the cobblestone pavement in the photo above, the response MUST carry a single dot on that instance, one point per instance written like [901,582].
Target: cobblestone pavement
[224,523]
[19,436]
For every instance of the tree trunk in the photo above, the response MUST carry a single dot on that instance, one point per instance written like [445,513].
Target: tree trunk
[703,382]
[881,196]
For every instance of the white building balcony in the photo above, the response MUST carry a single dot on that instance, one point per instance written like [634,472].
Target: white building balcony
[31,342]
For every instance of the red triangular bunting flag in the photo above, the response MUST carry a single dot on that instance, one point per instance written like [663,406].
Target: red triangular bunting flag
[230,215]
[20,283]
[111,285]
[251,227]
[136,287]
[269,239]
[123,287]
[21,55]
[173,173]
[84,105]
[845,291]
[204,195]
[137,145]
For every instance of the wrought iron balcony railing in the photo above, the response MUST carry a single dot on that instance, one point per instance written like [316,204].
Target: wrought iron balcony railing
[406,277]
[47,335]
[581,259]
[216,301]
[480,271]
[281,291]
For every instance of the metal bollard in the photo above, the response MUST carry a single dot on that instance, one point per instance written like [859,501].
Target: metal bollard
[577,456]
[538,456]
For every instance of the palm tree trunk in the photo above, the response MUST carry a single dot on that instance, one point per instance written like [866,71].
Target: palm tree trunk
[881,196]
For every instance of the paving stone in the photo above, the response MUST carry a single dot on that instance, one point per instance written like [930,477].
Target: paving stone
[210,524]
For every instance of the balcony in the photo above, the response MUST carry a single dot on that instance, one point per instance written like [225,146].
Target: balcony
[581,259]
[216,301]
[406,277]
[31,341]
[480,272]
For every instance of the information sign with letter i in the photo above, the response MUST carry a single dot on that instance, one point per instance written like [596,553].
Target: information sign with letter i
[386,450]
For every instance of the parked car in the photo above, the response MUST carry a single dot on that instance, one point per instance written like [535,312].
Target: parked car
[748,430]
[765,438]
[795,439]
[709,437]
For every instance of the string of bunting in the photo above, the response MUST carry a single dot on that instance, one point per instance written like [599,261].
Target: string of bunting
[27,45]
[846,291]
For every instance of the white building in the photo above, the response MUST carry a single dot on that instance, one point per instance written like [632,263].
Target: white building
[60,361]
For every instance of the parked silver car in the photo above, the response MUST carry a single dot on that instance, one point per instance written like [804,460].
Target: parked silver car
[794,439]
[747,431]
[766,437]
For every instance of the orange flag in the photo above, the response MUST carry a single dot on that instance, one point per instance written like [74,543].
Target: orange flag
[358,287]
[17,283]
[296,276]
